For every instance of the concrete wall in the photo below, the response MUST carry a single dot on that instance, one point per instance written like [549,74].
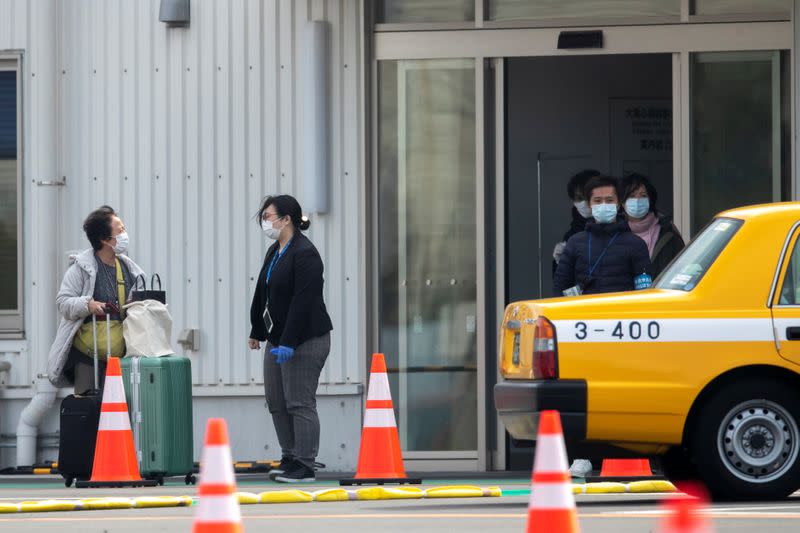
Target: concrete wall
[184,130]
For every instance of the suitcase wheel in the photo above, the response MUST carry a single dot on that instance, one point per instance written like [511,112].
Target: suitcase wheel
[68,481]
[190,479]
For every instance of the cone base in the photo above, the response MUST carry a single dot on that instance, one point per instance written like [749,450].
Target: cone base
[616,468]
[115,484]
[217,527]
[380,456]
[551,520]
[379,481]
[622,479]
[115,457]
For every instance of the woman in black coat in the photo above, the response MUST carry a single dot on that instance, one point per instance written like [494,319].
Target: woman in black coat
[663,239]
[288,312]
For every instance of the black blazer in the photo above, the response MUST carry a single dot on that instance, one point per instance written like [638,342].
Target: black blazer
[295,296]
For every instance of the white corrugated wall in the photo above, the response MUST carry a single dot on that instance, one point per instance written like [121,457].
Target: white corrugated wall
[184,130]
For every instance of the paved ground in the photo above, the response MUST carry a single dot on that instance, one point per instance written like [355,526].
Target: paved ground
[598,513]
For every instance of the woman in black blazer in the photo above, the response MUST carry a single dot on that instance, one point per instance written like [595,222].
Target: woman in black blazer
[288,312]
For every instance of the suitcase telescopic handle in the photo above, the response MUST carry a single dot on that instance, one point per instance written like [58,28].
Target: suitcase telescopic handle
[108,345]
[94,335]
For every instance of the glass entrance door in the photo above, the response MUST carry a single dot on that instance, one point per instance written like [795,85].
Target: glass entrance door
[428,272]
[740,123]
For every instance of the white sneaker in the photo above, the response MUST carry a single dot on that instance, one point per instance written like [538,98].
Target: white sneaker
[580,468]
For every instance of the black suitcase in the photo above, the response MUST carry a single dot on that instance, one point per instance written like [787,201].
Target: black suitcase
[80,416]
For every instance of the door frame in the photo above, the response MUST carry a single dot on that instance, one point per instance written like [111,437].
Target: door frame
[492,46]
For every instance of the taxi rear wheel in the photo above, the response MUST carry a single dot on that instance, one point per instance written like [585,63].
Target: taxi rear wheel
[746,441]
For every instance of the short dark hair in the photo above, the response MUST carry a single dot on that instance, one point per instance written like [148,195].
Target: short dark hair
[285,205]
[97,225]
[633,181]
[578,181]
[600,181]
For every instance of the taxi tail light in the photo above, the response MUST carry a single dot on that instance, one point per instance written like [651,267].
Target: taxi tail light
[545,351]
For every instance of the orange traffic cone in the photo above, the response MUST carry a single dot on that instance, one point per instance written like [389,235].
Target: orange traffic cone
[217,506]
[626,469]
[685,515]
[552,506]
[379,459]
[115,463]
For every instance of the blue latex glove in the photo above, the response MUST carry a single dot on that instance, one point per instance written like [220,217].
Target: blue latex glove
[282,354]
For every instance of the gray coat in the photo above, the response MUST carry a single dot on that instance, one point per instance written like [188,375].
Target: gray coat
[72,301]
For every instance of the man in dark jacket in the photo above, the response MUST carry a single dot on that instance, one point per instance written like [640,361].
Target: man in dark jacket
[606,257]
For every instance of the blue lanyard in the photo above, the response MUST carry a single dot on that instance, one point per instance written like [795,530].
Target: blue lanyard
[277,258]
[602,254]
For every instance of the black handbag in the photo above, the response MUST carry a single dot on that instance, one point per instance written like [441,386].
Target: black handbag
[137,294]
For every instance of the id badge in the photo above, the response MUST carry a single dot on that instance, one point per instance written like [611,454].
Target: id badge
[575,290]
[267,318]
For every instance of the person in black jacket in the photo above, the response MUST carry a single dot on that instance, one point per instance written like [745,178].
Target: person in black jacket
[662,238]
[581,212]
[606,257]
[288,312]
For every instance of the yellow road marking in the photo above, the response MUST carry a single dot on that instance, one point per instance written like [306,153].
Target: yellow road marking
[371,516]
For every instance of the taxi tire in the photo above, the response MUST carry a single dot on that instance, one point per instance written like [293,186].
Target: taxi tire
[705,453]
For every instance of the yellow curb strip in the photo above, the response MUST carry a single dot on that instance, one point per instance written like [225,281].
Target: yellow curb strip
[248,498]
[323,495]
[286,496]
[149,502]
[334,495]
[462,491]
[635,487]
[102,504]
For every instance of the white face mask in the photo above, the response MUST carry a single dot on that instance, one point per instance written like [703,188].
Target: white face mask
[583,209]
[637,207]
[122,243]
[269,230]
[604,213]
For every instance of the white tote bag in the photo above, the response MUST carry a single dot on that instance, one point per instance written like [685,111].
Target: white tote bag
[147,329]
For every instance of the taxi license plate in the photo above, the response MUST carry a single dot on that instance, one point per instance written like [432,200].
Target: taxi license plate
[515,352]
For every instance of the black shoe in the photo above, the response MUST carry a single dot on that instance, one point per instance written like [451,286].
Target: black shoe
[297,473]
[286,464]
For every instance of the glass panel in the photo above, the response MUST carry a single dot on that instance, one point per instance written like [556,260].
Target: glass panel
[790,291]
[739,127]
[694,261]
[409,11]
[552,9]
[728,7]
[8,191]
[427,248]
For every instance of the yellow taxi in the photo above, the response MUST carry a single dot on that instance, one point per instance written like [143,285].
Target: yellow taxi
[702,369]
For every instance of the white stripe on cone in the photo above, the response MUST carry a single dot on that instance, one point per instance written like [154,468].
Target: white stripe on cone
[379,418]
[216,466]
[550,454]
[114,421]
[379,387]
[114,390]
[551,496]
[220,509]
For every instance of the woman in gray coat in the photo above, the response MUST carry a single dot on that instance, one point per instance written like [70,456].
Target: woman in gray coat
[98,278]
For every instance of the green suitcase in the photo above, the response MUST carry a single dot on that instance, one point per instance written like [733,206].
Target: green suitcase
[159,393]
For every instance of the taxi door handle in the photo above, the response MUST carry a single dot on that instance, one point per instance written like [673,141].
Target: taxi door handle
[793,334]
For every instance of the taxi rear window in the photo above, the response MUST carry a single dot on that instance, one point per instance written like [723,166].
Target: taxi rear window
[691,265]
